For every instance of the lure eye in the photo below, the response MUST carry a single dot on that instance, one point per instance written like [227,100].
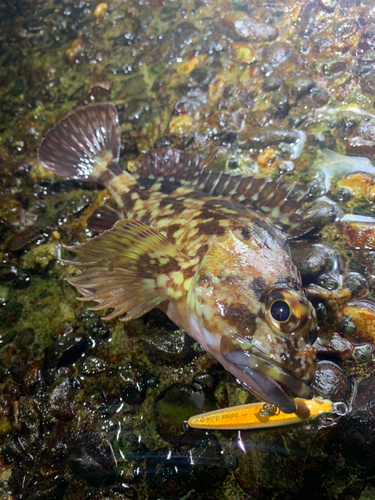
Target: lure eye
[280,311]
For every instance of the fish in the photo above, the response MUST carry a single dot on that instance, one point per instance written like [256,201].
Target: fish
[209,249]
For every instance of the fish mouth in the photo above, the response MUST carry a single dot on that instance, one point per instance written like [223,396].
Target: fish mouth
[267,380]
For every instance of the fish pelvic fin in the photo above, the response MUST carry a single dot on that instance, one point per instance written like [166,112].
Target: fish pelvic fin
[131,268]
[84,145]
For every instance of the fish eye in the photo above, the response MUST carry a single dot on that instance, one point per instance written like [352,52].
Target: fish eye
[280,311]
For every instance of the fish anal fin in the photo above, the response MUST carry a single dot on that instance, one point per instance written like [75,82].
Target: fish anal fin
[131,268]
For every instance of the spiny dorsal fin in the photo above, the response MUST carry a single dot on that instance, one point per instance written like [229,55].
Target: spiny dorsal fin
[83,144]
[127,268]
[269,197]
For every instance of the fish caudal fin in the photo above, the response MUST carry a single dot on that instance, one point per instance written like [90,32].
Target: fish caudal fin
[84,144]
[129,268]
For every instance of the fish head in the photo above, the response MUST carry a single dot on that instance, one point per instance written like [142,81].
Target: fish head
[248,309]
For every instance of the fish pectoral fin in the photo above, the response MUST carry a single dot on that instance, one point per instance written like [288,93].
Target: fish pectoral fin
[130,268]
[102,219]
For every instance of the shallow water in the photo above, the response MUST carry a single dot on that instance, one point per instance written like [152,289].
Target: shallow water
[95,410]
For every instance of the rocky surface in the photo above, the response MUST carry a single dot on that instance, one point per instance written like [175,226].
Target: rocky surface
[96,410]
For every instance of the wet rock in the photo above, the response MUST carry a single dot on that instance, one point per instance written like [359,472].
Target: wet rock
[346,28]
[312,260]
[299,85]
[206,455]
[363,69]
[357,320]
[281,104]
[138,112]
[272,82]
[185,34]
[98,329]
[129,35]
[92,461]
[206,381]
[10,314]
[131,382]
[174,347]
[361,235]
[62,398]
[276,54]
[177,404]
[47,489]
[267,136]
[368,84]
[318,97]
[334,344]
[169,475]
[92,366]
[74,53]
[328,5]
[362,140]
[241,26]
[66,351]
[24,338]
[307,18]
[330,381]
[359,427]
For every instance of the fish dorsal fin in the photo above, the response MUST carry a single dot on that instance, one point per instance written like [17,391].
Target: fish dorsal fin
[272,198]
[130,268]
[84,144]
[103,219]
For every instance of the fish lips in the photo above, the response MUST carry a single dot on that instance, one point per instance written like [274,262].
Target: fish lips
[268,380]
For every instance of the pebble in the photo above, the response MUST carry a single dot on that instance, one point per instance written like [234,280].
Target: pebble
[299,85]
[277,53]
[100,10]
[272,82]
[312,260]
[266,136]
[62,398]
[346,28]
[92,461]
[357,321]
[242,26]
[307,18]
[177,404]
[328,5]
[66,350]
[130,380]
[330,381]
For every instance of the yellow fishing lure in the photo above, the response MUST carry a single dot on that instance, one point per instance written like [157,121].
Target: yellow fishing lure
[262,415]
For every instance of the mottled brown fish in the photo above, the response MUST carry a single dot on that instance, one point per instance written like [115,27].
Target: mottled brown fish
[210,250]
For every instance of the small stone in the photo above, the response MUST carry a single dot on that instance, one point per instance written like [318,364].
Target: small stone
[177,404]
[307,18]
[92,462]
[357,284]
[299,85]
[357,320]
[66,351]
[272,82]
[266,136]
[312,260]
[346,28]
[330,381]
[328,5]
[368,84]
[241,26]
[101,10]
[92,366]
[362,141]
[276,54]
[361,235]
[130,380]
[62,398]
[281,103]
[74,52]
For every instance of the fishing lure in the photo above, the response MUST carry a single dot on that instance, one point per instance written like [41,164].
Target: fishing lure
[210,250]
[262,415]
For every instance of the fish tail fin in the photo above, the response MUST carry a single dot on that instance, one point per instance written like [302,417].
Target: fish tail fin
[84,145]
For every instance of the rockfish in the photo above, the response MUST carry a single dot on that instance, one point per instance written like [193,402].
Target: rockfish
[210,250]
